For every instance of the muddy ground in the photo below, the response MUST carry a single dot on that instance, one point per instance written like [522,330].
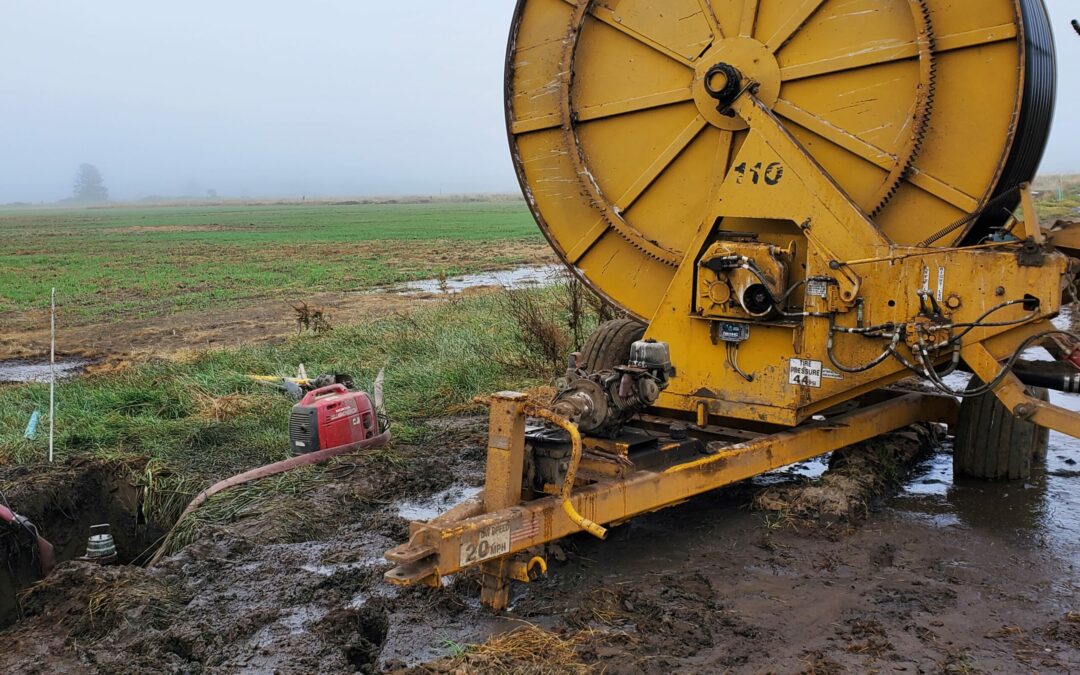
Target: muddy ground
[938,578]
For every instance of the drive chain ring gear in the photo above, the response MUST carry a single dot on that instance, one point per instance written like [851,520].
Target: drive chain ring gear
[924,106]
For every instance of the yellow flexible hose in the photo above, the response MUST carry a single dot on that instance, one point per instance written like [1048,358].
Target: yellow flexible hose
[571,470]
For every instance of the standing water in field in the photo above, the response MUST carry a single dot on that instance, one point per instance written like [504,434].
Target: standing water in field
[1042,512]
[521,277]
[25,371]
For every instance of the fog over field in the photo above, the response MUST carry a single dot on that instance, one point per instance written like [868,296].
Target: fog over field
[273,98]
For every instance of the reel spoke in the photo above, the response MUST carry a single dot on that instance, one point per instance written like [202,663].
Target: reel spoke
[607,17]
[835,134]
[634,105]
[661,164]
[749,18]
[710,18]
[790,27]
[885,54]
[604,111]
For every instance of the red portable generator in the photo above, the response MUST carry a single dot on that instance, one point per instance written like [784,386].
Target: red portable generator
[331,417]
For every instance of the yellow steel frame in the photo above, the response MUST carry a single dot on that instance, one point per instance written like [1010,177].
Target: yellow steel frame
[871,276]
[441,547]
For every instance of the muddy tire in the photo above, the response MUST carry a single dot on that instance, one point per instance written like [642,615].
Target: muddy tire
[992,444]
[609,345]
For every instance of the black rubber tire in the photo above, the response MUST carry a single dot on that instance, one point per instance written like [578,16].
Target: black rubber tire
[992,444]
[610,343]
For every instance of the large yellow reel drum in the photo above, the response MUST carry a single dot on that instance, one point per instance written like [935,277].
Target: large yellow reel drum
[922,111]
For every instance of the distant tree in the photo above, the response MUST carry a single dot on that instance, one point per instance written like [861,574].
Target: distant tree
[89,185]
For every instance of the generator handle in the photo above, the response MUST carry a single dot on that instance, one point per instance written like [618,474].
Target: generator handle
[324,391]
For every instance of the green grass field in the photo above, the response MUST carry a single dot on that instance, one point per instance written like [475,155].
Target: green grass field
[143,262]
[1059,198]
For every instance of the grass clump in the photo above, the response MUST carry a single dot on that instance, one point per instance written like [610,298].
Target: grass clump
[89,601]
[252,500]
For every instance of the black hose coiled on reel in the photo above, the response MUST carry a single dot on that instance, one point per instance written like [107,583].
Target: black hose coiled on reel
[1033,124]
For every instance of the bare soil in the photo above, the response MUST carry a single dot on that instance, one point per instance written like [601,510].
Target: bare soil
[261,319]
[938,578]
[186,333]
[258,322]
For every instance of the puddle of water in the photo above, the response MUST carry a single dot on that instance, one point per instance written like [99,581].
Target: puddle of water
[331,570]
[1043,511]
[25,371]
[811,469]
[295,622]
[436,505]
[521,277]
[379,591]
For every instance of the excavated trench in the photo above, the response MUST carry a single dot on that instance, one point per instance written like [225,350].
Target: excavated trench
[63,503]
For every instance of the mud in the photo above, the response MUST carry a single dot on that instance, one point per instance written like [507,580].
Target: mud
[63,503]
[938,578]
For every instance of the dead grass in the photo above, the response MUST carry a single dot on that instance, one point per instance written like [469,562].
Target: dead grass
[551,325]
[817,663]
[223,408]
[1066,630]
[528,650]
[310,319]
[606,606]
[541,331]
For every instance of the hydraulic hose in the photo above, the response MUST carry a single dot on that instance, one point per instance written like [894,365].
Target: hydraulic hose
[263,472]
[1068,384]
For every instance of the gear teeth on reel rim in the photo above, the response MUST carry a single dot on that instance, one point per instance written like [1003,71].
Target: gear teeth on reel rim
[925,109]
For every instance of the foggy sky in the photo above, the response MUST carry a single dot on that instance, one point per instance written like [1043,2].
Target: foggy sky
[273,98]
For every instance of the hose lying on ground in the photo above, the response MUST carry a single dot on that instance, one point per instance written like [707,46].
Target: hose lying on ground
[263,472]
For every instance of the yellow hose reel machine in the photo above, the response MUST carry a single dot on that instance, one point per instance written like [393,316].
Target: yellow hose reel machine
[802,202]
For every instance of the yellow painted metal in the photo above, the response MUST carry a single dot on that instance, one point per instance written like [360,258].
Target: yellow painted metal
[854,141]
[506,452]
[435,549]
[906,102]
[868,281]
[1015,397]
